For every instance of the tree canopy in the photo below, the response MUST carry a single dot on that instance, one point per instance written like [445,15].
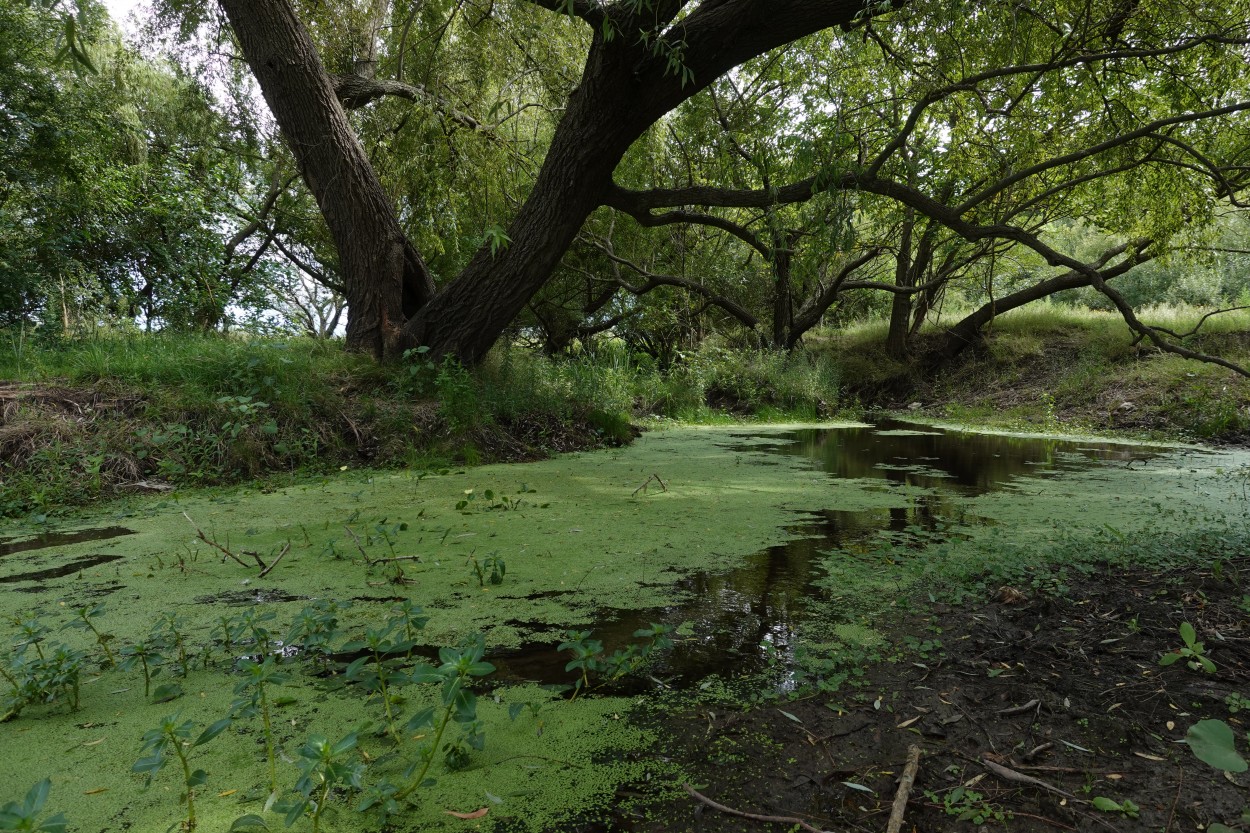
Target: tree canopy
[559,165]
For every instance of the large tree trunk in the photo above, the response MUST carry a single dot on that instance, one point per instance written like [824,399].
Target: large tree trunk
[601,122]
[379,266]
[626,86]
[900,305]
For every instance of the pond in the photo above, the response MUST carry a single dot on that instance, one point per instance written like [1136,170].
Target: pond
[760,545]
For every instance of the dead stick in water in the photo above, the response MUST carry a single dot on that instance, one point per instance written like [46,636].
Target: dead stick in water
[358,546]
[753,816]
[904,790]
[199,533]
[274,563]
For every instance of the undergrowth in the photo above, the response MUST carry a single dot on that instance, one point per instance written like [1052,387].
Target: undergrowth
[93,418]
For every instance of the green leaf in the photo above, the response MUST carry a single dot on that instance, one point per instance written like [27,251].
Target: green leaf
[347,744]
[166,692]
[1188,634]
[1106,804]
[1212,741]
[1220,828]
[37,797]
[213,731]
[248,822]
[1168,659]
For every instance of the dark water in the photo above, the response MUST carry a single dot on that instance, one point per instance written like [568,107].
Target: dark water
[66,569]
[9,546]
[743,616]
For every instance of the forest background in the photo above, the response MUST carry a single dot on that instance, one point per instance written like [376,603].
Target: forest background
[816,217]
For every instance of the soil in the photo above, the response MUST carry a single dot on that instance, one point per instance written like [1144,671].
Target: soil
[1063,687]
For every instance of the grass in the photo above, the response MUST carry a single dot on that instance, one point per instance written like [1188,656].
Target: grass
[1056,367]
[92,418]
[96,417]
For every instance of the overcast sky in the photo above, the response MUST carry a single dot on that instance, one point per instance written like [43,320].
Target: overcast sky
[120,11]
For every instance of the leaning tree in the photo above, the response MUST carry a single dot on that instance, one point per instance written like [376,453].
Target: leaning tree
[1037,105]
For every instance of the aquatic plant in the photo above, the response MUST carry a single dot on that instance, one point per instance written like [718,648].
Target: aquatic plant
[491,569]
[315,628]
[323,766]
[412,618]
[30,633]
[254,700]
[168,633]
[59,674]
[173,736]
[589,657]
[379,671]
[252,626]
[147,654]
[455,674]
[25,816]
[85,614]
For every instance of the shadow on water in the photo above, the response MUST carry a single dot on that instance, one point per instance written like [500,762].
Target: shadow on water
[67,569]
[9,546]
[745,617]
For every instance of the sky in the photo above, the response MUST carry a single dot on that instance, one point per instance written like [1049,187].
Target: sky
[120,11]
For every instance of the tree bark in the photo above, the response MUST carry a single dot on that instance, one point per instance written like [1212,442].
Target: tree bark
[967,331]
[383,275]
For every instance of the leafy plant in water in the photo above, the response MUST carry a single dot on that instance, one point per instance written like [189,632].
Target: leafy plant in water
[147,655]
[411,618]
[589,657]
[379,670]
[25,816]
[458,667]
[85,614]
[315,628]
[323,767]
[30,634]
[254,700]
[252,627]
[491,569]
[169,635]
[59,674]
[1192,651]
[173,737]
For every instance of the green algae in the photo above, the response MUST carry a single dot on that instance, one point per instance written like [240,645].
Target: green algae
[582,541]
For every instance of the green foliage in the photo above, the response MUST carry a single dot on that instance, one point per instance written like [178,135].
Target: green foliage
[172,737]
[1213,743]
[25,816]
[1125,808]
[1192,651]
[968,805]
[323,766]
[590,658]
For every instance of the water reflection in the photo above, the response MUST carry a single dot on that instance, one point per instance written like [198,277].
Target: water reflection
[744,619]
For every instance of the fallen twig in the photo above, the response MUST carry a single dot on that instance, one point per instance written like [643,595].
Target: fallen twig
[904,790]
[358,546]
[753,816]
[199,533]
[1037,750]
[643,487]
[1020,778]
[274,563]
[1029,706]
